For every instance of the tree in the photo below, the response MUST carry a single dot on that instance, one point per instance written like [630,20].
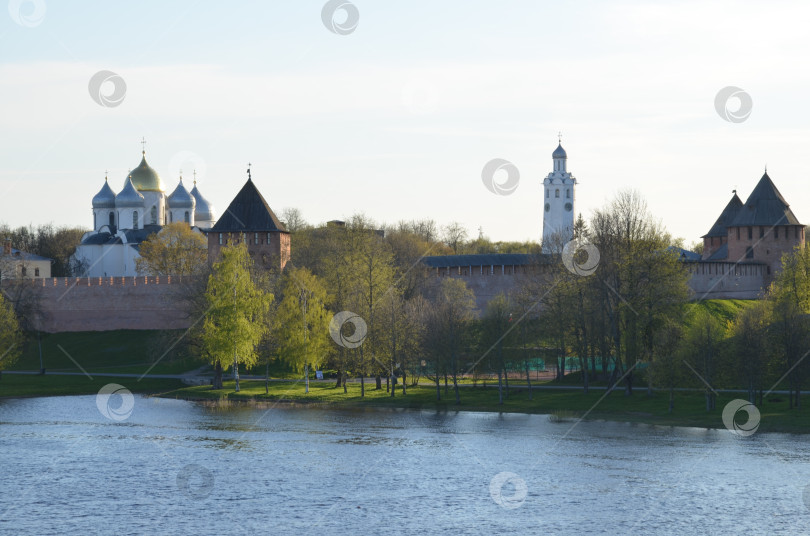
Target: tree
[454,236]
[701,348]
[496,325]
[790,297]
[235,320]
[301,324]
[293,219]
[11,337]
[176,250]
[449,326]
[752,348]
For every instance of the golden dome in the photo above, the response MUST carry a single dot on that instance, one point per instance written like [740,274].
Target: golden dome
[145,178]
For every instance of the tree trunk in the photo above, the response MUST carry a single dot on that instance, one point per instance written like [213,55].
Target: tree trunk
[236,372]
[529,379]
[306,378]
[217,384]
[378,379]
[404,377]
[438,388]
[345,390]
[339,378]
[362,385]
[445,384]
[585,378]
[455,379]
[500,388]
[267,377]
[388,384]
[671,398]
[628,391]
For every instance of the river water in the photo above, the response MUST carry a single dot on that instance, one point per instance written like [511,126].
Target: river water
[177,467]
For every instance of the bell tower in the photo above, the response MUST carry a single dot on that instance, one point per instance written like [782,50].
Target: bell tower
[558,202]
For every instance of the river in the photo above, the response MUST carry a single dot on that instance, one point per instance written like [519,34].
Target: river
[158,466]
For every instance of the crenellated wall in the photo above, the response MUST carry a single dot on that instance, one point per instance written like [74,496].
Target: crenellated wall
[726,280]
[110,303]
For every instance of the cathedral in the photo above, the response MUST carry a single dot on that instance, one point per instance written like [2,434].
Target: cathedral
[122,221]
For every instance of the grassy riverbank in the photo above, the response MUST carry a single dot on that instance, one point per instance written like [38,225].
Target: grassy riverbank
[560,404]
[16,385]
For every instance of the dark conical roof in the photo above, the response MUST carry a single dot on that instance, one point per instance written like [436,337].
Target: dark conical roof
[765,206]
[726,217]
[248,212]
[559,152]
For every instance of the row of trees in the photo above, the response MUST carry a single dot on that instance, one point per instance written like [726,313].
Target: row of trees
[57,243]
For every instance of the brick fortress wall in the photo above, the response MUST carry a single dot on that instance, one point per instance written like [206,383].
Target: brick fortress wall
[110,303]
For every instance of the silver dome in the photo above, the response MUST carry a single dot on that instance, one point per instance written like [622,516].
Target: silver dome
[559,152]
[180,198]
[129,196]
[204,210]
[105,198]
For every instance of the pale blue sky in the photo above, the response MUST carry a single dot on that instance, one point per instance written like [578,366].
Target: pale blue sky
[398,118]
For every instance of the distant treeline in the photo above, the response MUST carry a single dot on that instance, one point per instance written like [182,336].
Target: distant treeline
[57,243]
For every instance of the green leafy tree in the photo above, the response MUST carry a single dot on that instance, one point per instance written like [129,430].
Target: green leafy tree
[176,250]
[301,324]
[235,321]
[10,335]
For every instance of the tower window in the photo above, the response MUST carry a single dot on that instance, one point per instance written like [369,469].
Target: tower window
[557,192]
[548,193]
[268,238]
[568,194]
[186,217]
[24,271]
[220,239]
[761,232]
[749,252]
[36,272]
[776,232]
[95,226]
[255,238]
[135,220]
[750,233]
[153,215]
[112,219]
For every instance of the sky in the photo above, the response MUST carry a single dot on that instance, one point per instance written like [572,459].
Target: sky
[396,117]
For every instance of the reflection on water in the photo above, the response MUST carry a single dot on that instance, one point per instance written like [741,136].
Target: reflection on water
[179,467]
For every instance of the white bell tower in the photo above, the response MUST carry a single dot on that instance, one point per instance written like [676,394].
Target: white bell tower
[558,203]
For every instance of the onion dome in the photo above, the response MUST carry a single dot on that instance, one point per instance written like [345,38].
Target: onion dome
[129,196]
[180,198]
[145,178]
[204,210]
[559,152]
[105,198]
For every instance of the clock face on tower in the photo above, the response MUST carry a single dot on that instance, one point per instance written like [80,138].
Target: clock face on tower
[568,207]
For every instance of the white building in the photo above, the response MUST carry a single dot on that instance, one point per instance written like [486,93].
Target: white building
[122,221]
[559,197]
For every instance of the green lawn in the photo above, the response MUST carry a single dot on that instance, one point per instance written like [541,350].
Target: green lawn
[689,407]
[14,385]
[125,351]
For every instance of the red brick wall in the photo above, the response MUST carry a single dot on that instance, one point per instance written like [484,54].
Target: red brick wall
[769,248]
[111,303]
[272,253]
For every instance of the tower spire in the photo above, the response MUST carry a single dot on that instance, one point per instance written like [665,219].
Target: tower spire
[248,171]
[143,146]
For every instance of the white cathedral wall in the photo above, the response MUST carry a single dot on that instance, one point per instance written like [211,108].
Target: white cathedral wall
[179,214]
[101,217]
[114,260]
[156,200]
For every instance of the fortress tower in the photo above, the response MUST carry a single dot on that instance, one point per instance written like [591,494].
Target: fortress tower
[558,208]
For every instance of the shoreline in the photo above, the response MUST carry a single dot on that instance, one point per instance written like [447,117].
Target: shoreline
[560,405]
